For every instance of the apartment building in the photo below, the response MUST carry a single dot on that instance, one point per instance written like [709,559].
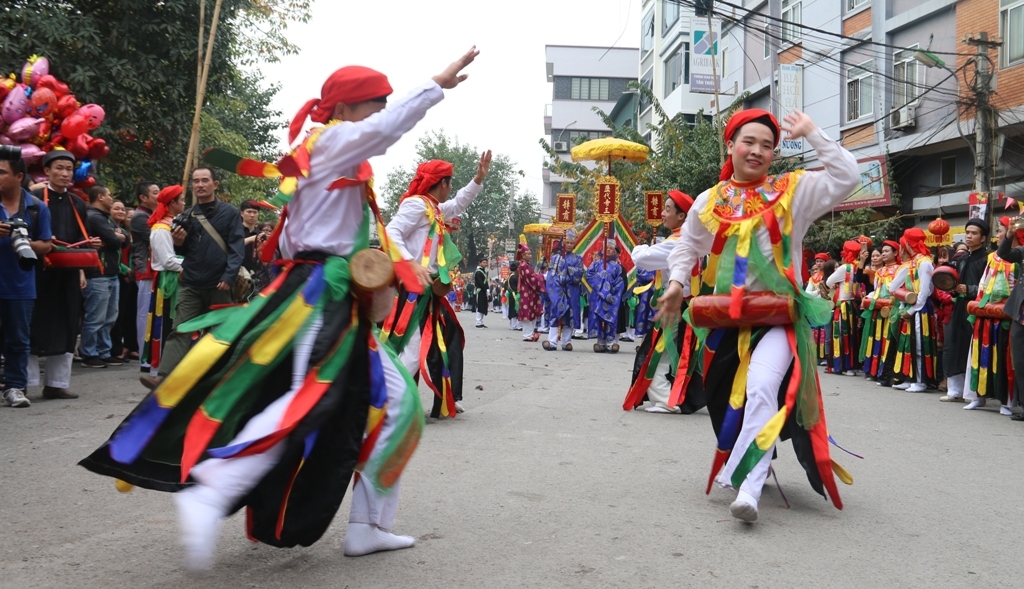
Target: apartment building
[581,78]
[865,70]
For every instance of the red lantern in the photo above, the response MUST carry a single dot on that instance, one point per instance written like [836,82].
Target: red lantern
[938,227]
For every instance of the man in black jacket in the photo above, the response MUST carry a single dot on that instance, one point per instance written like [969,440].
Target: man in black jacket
[211,263]
[102,286]
[957,347]
[482,293]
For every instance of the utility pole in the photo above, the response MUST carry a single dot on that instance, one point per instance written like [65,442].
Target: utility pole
[984,122]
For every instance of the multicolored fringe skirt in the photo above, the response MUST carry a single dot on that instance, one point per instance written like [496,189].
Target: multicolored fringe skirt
[822,342]
[441,349]
[914,355]
[243,364]
[845,338]
[875,340]
[160,321]
[990,371]
[670,345]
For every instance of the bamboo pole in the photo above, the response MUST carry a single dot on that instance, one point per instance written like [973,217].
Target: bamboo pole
[201,93]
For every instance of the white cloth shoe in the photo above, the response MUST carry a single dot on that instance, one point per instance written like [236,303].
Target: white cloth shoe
[660,409]
[902,386]
[1004,410]
[917,387]
[744,508]
[980,402]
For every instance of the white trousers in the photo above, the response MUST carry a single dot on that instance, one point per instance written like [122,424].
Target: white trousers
[955,387]
[566,333]
[233,478]
[142,312]
[410,357]
[660,389]
[58,371]
[479,318]
[768,365]
[528,328]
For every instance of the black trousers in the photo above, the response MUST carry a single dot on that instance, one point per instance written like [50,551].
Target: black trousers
[1017,357]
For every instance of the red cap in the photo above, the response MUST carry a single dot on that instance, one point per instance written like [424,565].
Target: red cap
[823,257]
[683,201]
[349,85]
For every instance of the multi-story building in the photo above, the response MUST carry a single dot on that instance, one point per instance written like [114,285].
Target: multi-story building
[581,78]
[866,71]
[665,43]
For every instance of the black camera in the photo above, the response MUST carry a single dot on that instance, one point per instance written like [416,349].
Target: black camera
[182,221]
[20,242]
[10,152]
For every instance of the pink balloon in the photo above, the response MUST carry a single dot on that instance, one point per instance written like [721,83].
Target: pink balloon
[74,126]
[23,129]
[16,105]
[34,70]
[5,140]
[93,113]
[30,153]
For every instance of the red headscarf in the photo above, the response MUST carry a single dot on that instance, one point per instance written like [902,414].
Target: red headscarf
[428,174]
[823,257]
[913,239]
[683,201]
[162,200]
[349,85]
[851,251]
[742,118]
[895,247]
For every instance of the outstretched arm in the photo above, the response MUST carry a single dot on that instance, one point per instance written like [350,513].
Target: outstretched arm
[458,205]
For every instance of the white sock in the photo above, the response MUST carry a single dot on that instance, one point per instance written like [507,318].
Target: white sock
[744,507]
[200,514]
[363,539]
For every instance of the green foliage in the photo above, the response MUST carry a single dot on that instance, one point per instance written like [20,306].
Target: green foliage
[137,59]
[500,202]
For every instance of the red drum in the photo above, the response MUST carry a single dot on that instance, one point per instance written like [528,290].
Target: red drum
[989,311]
[865,303]
[80,259]
[945,278]
[905,296]
[757,309]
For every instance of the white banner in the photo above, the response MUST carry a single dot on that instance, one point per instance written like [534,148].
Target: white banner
[791,97]
[704,48]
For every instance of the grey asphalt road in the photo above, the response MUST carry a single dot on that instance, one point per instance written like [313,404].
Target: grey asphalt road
[546,482]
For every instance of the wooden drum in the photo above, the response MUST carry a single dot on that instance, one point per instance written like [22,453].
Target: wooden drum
[757,309]
[989,311]
[945,278]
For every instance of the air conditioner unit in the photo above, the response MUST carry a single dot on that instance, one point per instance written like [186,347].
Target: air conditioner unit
[902,118]
[561,146]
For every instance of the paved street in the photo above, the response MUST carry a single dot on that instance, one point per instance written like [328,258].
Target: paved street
[546,482]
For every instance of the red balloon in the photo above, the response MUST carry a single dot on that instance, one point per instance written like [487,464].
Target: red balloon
[74,126]
[44,129]
[87,183]
[67,105]
[44,102]
[49,81]
[79,147]
[98,149]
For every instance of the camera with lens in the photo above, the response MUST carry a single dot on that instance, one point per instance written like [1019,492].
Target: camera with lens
[182,221]
[21,243]
[10,152]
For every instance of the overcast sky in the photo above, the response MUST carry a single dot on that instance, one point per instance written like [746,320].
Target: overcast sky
[500,107]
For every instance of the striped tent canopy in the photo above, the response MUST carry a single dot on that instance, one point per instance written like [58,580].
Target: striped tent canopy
[591,238]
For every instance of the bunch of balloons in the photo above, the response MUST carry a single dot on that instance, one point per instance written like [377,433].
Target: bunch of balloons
[40,114]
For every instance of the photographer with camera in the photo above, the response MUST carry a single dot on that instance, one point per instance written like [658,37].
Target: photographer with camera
[24,239]
[211,238]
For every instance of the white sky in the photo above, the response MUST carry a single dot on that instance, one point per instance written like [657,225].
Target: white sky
[500,107]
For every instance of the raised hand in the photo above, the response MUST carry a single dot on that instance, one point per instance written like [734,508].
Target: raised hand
[483,167]
[451,76]
[797,124]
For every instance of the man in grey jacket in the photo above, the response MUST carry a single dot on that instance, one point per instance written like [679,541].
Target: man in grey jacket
[210,266]
[1014,307]
[146,193]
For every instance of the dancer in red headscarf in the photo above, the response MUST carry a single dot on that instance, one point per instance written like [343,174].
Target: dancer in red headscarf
[290,395]
[761,380]
[843,330]
[879,320]
[167,267]
[912,361]
[423,328]
[815,288]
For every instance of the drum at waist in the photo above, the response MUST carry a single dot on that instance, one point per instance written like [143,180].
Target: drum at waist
[757,309]
[945,278]
[865,303]
[439,288]
[989,311]
[373,276]
[905,296]
[76,258]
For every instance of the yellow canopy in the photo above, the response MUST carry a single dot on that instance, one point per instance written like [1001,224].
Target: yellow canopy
[535,228]
[609,147]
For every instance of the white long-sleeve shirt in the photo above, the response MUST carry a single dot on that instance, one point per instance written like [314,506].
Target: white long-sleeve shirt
[924,279]
[839,277]
[328,220]
[816,194]
[411,226]
[161,251]
[655,258]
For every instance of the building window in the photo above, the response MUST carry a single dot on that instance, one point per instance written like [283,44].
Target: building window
[577,137]
[677,68]
[905,78]
[647,82]
[1011,25]
[947,171]
[767,42]
[858,91]
[669,15]
[589,89]
[855,4]
[792,13]
[647,33]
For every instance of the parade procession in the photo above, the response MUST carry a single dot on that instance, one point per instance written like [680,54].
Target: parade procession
[258,271]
